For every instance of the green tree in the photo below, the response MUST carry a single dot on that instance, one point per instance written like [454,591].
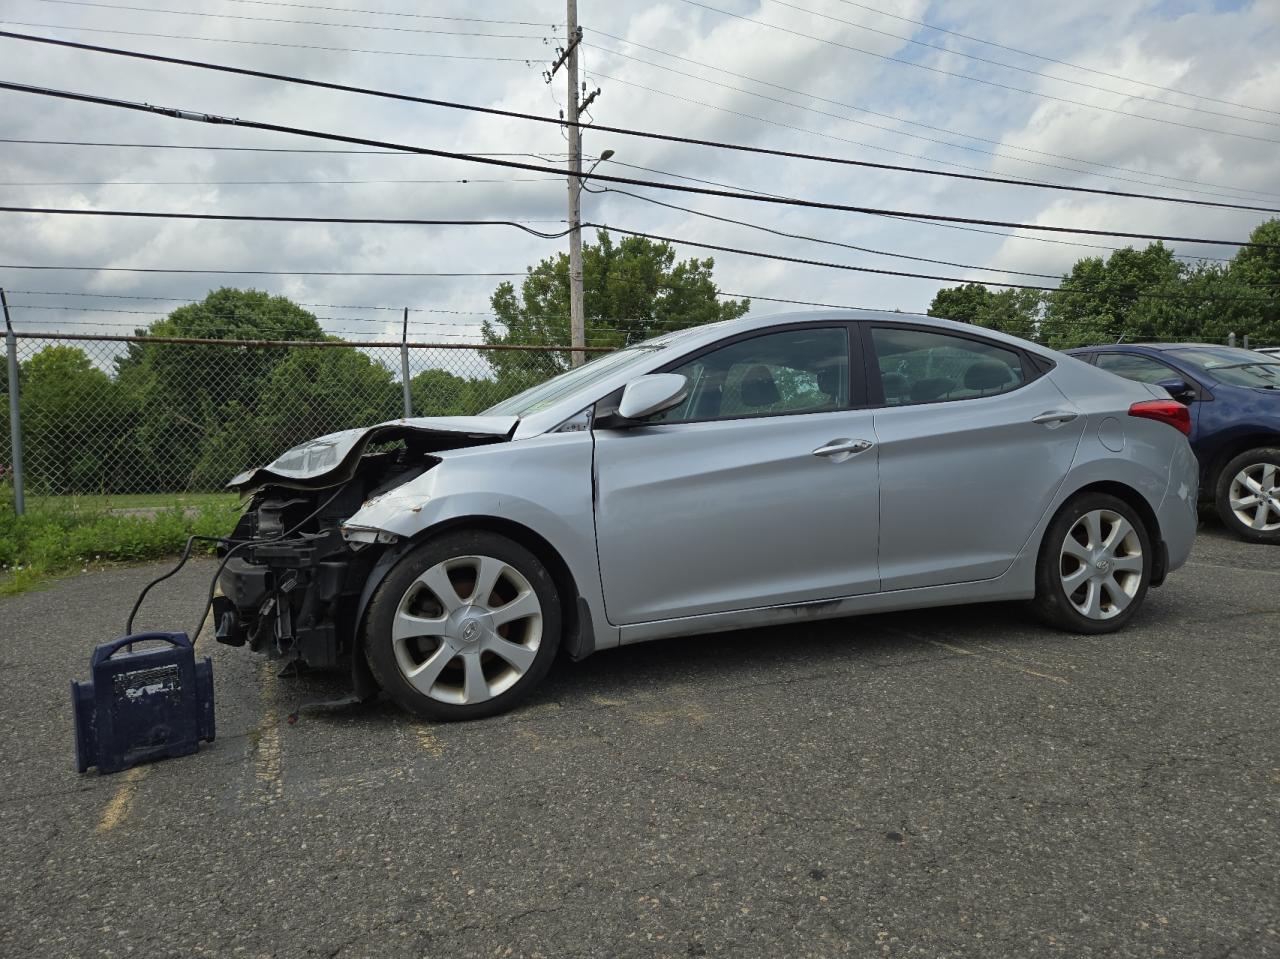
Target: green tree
[75,423]
[1258,270]
[1012,311]
[1103,299]
[632,289]
[195,399]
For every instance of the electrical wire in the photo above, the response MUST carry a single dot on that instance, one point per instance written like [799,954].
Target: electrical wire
[1012,66]
[1047,59]
[895,119]
[527,61]
[259,218]
[280,128]
[309,23]
[814,239]
[973,79]
[867,269]
[145,269]
[494,111]
[545,157]
[467,181]
[395,13]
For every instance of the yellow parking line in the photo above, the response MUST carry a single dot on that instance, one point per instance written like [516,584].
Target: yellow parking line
[1001,661]
[121,804]
[267,762]
[429,742]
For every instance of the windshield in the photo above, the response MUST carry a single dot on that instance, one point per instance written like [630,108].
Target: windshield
[558,387]
[1234,367]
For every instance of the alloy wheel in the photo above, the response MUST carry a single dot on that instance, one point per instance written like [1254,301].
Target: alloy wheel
[467,629]
[1101,564]
[1255,497]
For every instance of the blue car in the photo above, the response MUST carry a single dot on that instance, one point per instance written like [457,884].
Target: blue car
[1234,399]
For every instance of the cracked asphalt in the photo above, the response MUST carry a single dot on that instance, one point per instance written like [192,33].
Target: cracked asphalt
[958,782]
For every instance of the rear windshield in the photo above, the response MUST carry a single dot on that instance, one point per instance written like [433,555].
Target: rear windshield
[1235,367]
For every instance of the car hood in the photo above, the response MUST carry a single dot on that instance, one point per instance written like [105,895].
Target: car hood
[332,459]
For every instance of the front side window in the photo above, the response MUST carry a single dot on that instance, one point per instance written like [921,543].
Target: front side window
[1143,369]
[921,366]
[803,370]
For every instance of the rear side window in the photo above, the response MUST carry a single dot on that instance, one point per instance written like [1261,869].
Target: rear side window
[922,366]
[1143,369]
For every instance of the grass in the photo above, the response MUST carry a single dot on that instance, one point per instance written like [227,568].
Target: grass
[110,501]
[67,534]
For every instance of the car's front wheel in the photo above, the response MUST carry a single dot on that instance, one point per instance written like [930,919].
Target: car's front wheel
[1248,495]
[1094,566]
[464,626]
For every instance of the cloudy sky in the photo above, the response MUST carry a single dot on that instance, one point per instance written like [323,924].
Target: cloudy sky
[818,80]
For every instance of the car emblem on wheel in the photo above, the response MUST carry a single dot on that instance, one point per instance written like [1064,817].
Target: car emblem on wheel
[470,631]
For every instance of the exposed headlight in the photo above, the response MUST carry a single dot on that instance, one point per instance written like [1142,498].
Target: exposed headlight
[367,534]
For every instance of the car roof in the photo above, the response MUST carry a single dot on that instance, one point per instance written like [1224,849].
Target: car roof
[1161,347]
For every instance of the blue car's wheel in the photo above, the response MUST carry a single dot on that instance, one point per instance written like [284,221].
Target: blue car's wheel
[1248,495]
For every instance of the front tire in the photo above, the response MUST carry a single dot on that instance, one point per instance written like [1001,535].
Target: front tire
[1094,567]
[1248,496]
[463,627]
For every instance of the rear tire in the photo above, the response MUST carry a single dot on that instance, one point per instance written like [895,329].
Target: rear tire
[463,627]
[1248,496]
[1094,567]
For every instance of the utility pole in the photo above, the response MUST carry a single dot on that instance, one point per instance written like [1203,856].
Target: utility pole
[577,320]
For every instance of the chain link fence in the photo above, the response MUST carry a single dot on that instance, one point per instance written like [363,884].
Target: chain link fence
[107,415]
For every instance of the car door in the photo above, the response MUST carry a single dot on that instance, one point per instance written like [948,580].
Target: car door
[758,490]
[974,443]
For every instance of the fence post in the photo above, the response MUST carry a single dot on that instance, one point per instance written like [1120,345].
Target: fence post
[1246,341]
[1231,339]
[15,409]
[404,365]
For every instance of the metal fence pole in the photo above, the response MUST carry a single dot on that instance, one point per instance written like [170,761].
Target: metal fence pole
[1246,341]
[404,365]
[15,409]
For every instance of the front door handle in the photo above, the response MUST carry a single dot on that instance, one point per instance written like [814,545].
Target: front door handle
[839,450]
[1055,418]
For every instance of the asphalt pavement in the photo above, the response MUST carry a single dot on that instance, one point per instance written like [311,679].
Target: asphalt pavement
[957,782]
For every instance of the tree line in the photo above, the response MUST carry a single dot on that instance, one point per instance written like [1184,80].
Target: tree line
[1138,295]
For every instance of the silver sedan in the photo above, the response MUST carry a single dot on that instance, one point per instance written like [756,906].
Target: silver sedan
[764,470]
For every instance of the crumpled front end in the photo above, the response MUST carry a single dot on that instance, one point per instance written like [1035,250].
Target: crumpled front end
[292,588]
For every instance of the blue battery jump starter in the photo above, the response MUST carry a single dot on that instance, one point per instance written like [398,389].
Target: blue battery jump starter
[142,705]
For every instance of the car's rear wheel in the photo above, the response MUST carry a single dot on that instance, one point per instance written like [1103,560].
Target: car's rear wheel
[1248,495]
[464,626]
[1094,566]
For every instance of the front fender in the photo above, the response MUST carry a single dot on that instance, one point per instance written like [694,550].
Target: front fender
[543,484]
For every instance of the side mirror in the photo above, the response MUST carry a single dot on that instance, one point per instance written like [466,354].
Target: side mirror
[652,393]
[1179,389]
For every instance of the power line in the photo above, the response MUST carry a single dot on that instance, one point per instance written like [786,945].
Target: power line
[279,128]
[888,116]
[1020,69]
[259,218]
[191,146]
[309,23]
[274,43]
[814,239]
[928,223]
[982,80]
[918,276]
[463,181]
[144,269]
[394,13]
[1048,59]
[494,111]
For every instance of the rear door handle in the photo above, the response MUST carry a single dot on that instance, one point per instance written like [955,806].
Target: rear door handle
[839,450]
[1055,418]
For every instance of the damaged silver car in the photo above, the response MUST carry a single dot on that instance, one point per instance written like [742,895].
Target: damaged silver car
[764,470]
